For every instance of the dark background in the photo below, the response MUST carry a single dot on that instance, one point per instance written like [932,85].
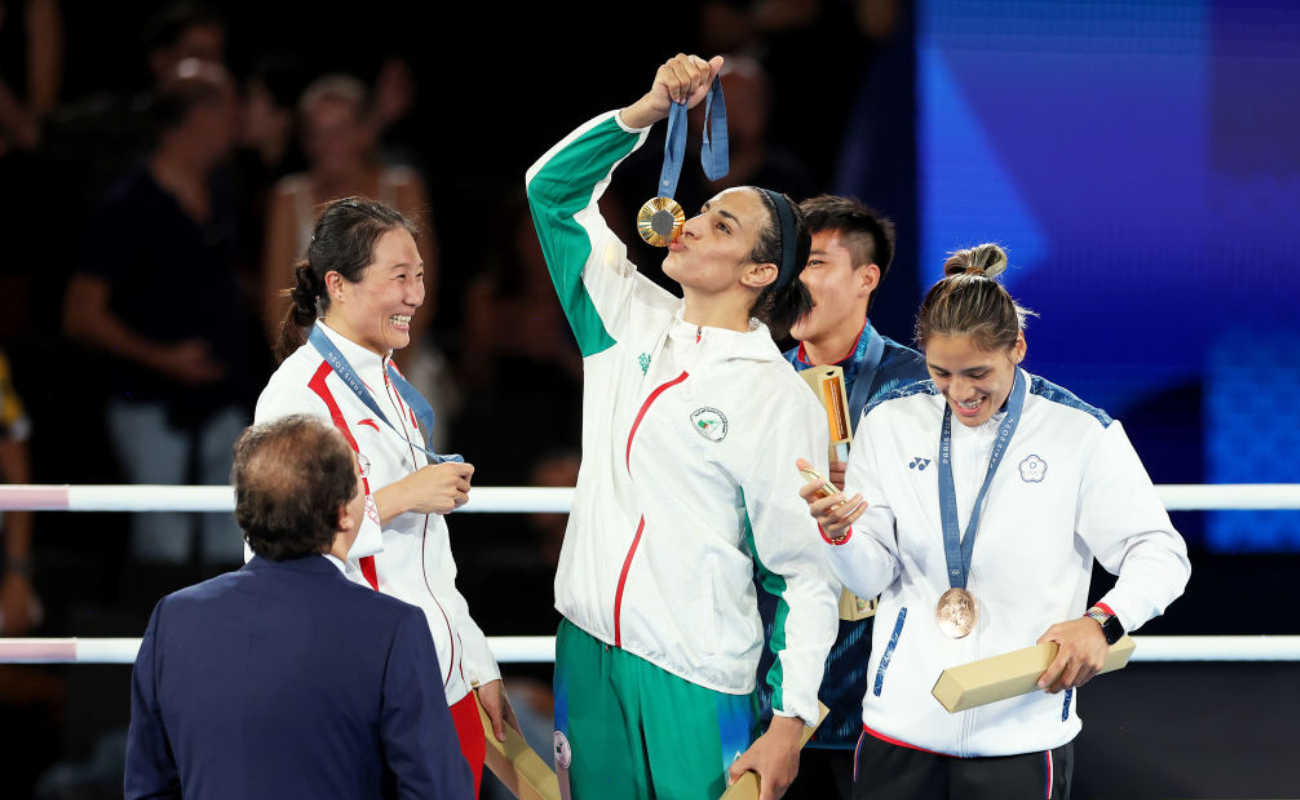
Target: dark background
[498,84]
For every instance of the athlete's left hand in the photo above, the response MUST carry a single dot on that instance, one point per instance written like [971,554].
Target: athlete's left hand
[1082,654]
[497,706]
[774,756]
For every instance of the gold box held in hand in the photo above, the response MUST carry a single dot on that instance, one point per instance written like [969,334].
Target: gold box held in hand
[746,786]
[854,608]
[515,764]
[828,384]
[1010,675]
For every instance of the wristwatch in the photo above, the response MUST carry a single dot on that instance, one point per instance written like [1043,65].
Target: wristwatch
[1109,622]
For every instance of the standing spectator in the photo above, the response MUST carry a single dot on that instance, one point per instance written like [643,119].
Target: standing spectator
[31,69]
[339,141]
[268,150]
[157,288]
[518,356]
[20,608]
[181,31]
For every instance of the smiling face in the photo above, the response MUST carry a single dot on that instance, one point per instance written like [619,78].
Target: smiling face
[840,290]
[713,251]
[975,382]
[375,312]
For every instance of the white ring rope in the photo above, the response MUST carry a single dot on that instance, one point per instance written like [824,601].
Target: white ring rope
[507,649]
[541,649]
[523,499]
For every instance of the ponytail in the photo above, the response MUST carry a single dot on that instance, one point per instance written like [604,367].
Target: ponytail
[303,308]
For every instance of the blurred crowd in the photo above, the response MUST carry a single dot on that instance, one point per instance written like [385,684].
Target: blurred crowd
[155,202]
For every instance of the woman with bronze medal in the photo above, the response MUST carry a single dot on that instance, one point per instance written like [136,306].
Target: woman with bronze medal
[690,419]
[980,539]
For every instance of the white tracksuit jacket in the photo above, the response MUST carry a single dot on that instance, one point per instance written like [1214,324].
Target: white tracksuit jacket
[688,480]
[1069,489]
[413,559]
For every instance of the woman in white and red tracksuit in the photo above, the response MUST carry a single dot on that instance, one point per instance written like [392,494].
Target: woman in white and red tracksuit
[363,277]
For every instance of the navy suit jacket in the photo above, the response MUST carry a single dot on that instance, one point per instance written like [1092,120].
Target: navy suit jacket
[286,680]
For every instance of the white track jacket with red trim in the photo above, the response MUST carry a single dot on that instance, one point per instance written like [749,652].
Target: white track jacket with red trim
[413,559]
[688,478]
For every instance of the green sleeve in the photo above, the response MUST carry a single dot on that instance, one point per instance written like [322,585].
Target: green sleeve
[563,189]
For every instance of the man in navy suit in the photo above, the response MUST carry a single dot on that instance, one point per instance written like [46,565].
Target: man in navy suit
[284,679]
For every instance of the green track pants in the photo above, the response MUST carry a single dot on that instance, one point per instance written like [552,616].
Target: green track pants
[628,730]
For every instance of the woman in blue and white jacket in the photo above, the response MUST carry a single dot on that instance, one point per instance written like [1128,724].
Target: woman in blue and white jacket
[1070,489]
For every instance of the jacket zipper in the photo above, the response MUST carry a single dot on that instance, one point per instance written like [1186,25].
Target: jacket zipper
[452,635]
[640,528]
[888,655]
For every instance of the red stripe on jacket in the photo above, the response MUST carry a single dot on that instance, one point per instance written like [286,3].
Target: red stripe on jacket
[318,385]
[640,528]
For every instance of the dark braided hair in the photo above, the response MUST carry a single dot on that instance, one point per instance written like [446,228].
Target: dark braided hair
[343,242]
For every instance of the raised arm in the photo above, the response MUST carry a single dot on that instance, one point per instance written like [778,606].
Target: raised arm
[596,284]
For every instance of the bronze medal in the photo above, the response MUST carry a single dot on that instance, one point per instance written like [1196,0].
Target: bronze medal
[957,613]
[660,221]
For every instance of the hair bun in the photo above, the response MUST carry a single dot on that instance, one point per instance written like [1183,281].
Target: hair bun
[307,288]
[988,260]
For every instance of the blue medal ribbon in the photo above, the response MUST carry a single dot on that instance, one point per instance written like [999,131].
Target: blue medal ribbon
[714,153]
[423,411]
[865,363]
[957,549]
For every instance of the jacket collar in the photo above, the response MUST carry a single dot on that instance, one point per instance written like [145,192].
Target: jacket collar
[311,565]
[366,362]
[724,344]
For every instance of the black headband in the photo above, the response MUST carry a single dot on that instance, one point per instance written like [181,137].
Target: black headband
[789,244]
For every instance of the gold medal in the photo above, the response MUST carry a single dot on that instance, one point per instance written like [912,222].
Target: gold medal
[660,221]
[957,613]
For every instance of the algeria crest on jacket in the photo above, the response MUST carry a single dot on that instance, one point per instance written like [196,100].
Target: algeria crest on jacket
[709,423]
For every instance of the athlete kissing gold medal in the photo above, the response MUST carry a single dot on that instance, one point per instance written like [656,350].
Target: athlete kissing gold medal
[661,219]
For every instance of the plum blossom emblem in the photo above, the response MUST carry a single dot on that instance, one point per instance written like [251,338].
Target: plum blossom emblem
[1033,469]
